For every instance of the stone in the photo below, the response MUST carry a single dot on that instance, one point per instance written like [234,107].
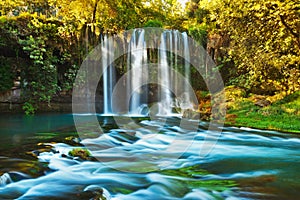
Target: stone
[262,103]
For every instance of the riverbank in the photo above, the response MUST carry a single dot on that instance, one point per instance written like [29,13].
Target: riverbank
[279,112]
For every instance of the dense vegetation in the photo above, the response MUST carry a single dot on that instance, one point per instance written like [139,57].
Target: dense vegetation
[264,41]
[48,39]
[255,43]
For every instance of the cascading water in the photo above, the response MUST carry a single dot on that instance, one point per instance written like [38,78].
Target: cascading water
[170,43]
[177,48]
[185,99]
[164,106]
[136,56]
[108,73]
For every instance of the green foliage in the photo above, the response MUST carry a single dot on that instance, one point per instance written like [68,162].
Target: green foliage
[196,13]
[264,40]
[41,75]
[169,12]
[29,108]
[6,74]
[69,77]
[234,93]
[199,33]
[54,37]
[153,23]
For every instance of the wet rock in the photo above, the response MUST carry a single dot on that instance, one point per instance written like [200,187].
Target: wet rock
[82,153]
[45,148]
[75,141]
[34,153]
[191,114]
[5,179]
[95,192]
[17,176]
[54,151]
[64,155]
[10,177]
[197,115]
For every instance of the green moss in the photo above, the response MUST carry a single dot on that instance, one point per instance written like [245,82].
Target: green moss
[80,152]
[188,172]
[216,185]
[122,190]
[187,178]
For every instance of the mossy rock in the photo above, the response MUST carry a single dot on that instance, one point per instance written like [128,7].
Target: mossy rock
[94,192]
[82,153]
[191,114]
[188,178]
[187,172]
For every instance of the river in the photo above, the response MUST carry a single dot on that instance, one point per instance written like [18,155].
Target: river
[135,161]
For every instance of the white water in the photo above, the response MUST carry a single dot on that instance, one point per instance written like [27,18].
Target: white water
[108,73]
[187,71]
[164,106]
[169,44]
[137,56]
[265,164]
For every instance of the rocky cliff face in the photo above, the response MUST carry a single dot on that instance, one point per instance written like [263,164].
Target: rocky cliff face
[11,101]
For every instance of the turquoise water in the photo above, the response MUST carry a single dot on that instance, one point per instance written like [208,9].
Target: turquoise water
[134,160]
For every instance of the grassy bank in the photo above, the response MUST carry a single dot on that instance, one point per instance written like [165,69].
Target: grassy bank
[279,112]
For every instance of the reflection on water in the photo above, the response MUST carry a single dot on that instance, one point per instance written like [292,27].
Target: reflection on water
[136,162]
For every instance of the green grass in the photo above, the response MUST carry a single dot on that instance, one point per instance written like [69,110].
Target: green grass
[282,115]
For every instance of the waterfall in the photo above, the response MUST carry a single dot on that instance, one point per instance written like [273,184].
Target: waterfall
[169,43]
[108,73]
[136,57]
[176,50]
[186,102]
[164,106]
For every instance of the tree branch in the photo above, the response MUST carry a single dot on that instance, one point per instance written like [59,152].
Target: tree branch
[297,37]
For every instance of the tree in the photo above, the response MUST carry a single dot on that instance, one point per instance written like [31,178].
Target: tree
[265,40]
[54,36]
